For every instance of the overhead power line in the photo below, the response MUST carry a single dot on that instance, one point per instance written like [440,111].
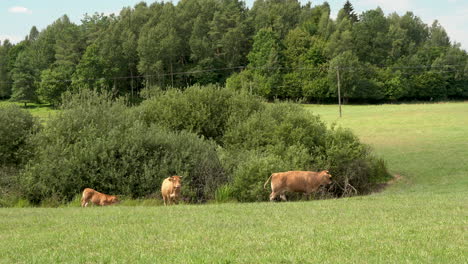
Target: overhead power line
[443,69]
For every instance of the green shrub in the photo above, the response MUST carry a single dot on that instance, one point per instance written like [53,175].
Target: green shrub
[96,142]
[206,111]
[354,168]
[16,126]
[224,194]
[250,175]
[10,191]
[278,126]
[224,143]
[285,137]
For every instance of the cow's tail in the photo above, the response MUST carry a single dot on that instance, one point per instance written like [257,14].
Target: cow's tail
[264,185]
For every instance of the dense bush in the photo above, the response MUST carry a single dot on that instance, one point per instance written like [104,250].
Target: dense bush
[224,143]
[96,142]
[206,111]
[16,126]
[286,137]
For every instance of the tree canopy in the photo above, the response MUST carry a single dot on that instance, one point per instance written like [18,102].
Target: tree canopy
[276,49]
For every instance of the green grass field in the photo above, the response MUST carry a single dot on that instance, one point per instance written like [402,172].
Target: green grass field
[41,111]
[422,218]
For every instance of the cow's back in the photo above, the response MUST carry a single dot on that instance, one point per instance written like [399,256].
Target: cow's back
[293,181]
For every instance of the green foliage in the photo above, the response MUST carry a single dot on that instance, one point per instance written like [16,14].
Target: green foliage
[206,111]
[53,84]
[90,70]
[24,79]
[96,142]
[224,143]
[5,78]
[284,48]
[352,164]
[16,127]
[278,126]
[266,60]
[224,194]
[285,137]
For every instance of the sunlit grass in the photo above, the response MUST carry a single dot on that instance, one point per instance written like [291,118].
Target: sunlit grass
[42,111]
[420,219]
[373,229]
[426,143]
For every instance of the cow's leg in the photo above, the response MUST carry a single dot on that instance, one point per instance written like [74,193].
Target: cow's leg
[272,196]
[164,198]
[283,197]
[82,202]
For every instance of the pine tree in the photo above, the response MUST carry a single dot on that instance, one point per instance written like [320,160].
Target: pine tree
[24,88]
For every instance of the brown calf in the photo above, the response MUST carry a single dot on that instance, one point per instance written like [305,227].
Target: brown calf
[90,195]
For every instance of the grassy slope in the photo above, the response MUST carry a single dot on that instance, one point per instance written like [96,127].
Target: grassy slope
[421,219]
[426,143]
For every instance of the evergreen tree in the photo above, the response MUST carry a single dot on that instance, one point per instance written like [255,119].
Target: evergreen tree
[24,80]
[5,77]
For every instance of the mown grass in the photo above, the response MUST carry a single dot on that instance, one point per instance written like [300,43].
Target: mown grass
[420,219]
[375,229]
[425,143]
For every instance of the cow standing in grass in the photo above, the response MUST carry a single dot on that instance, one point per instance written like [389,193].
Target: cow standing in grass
[170,190]
[297,181]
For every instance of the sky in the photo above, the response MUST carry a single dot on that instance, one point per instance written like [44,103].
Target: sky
[18,16]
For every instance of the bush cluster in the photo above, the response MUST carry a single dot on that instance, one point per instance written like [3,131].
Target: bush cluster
[97,142]
[224,143]
[16,128]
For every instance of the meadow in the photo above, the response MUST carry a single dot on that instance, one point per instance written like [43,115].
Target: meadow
[420,218]
[41,111]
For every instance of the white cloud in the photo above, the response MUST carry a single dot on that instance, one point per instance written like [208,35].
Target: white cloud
[11,38]
[19,10]
[399,6]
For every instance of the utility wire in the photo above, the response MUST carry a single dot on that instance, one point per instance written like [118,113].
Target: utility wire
[449,68]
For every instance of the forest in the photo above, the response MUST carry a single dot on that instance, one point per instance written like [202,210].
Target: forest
[278,49]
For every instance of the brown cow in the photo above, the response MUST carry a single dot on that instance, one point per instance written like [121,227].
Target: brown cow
[170,189]
[297,181]
[97,198]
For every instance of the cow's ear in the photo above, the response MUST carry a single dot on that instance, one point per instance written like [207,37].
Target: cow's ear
[170,179]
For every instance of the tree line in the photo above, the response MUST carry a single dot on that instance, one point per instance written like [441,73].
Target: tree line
[276,49]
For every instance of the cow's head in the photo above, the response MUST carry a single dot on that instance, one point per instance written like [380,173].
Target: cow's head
[326,177]
[115,200]
[175,181]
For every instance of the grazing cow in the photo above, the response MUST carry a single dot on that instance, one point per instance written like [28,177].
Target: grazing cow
[170,189]
[90,195]
[296,181]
